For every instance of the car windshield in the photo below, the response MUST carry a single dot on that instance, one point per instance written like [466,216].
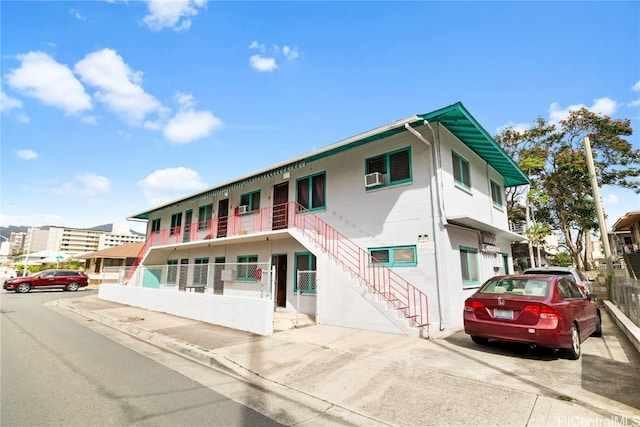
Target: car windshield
[516,286]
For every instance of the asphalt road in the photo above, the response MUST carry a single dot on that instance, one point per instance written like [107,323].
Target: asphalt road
[57,371]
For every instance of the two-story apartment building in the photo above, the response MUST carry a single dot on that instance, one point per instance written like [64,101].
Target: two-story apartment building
[389,230]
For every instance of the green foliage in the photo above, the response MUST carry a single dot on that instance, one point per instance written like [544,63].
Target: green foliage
[553,157]
[561,259]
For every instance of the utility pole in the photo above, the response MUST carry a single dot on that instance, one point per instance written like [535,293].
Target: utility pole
[604,235]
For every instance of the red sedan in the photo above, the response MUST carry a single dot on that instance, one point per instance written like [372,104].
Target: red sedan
[540,310]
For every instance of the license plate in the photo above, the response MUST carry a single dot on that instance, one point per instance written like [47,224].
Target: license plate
[499,313]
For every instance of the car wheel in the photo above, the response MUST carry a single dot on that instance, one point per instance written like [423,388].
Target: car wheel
[574,352]
[479,340]
[23,287]
[598,331]
[73,286]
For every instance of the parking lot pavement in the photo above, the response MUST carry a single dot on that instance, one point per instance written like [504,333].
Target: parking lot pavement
[389,379]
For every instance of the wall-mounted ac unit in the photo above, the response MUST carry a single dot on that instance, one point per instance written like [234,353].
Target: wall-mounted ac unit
[243,209]
[373,179]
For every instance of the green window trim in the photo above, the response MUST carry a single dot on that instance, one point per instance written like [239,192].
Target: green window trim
[394,165]
[176,223]
[497,195]
[461,171]
[251,200]
[246,269]
[311,191]
[469,266]
[172,271]
[205,214]
[155,225]
[304,261]
[395,256]
[200,271]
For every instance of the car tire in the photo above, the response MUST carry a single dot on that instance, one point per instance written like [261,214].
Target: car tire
[598,331]
[573,353]
[23,288]
[479,340]
[72,287]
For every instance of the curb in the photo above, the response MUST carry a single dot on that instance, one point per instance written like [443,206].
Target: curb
[626,325]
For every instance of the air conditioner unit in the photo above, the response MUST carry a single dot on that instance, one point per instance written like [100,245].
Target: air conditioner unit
[373,179]
[243,209]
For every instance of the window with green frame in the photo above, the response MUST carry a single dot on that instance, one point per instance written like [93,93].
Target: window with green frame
[176,223]
[394,256]
[155,225]
[305,261]
[172,271]
[205,213]
[395,165]
[310,191]
[252,200]
[496,194]
[469,266]
[247,265]
[461,174]
[200,271]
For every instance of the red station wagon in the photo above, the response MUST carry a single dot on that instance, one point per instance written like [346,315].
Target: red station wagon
[539,310]
[68,280]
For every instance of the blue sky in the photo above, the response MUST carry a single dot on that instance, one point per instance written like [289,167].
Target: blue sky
[111,108]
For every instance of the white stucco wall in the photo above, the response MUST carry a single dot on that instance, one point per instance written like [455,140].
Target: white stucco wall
[252,315]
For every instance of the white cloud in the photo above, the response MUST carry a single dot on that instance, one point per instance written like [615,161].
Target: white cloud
[77,14]
[174,14]
[41,77]
[518,127]
[611,199]
[27,154]
[85,184]
[636,87]
[266,60]
[261,63]
[164,185]
[8,103]
[118,86]
[605,106]
[188,126]
[186,100]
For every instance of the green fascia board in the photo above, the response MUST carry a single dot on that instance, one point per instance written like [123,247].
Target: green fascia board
[455,117]
[466,128]
[460,123]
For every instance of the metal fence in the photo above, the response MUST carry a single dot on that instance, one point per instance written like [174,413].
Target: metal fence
[306,287]
[250,279]
[625,294]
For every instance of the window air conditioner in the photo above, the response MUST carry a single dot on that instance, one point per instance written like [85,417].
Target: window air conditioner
[373,179]
[243,209]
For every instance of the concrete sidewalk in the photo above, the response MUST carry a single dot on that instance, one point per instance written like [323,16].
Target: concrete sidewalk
[367,378]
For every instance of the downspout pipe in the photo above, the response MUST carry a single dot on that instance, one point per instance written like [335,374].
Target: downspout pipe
[436,169]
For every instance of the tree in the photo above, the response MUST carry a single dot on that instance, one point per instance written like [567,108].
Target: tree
[553,157]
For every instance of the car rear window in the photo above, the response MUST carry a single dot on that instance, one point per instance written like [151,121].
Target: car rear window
[519,286]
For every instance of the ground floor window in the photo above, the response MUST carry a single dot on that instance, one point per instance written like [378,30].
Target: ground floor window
[394,256]
[469,266]
[172,271]
[305,282]
[247,266]
[200,271]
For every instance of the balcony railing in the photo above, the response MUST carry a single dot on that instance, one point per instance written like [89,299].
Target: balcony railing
[381,280]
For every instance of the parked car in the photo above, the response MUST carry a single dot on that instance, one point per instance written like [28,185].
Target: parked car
[68,280]
[570,272]
[539,310]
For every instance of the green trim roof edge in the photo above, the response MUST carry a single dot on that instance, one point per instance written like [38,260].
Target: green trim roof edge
[454,117]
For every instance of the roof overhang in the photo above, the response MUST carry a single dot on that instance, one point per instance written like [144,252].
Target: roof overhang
[625,222]
[477,225]
[455,118]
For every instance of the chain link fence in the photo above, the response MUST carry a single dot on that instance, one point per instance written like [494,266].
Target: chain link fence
[305,290]
[625,294]
[249,279]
